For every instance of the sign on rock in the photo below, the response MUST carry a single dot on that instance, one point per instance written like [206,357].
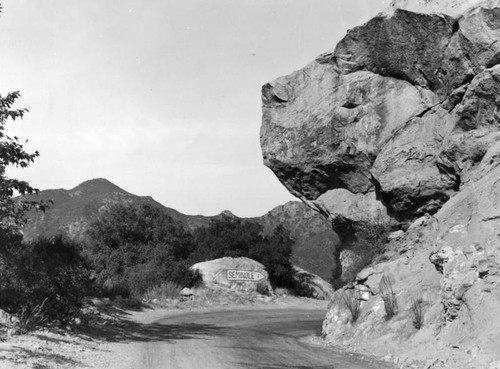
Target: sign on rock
[243,275]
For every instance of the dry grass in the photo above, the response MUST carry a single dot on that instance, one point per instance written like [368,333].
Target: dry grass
[389,297]
[416,313]
[30,319]
[162,293]
[352,300]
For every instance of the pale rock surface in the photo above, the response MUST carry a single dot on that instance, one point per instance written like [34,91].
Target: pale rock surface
[214,273]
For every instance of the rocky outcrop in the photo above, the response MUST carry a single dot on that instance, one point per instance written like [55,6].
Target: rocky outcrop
[387,112]
[401,122]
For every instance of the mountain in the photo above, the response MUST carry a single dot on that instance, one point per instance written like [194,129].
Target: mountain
[73,210]
[400,123]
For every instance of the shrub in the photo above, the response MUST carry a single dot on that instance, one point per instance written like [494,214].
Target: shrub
[416,313]
[115,287]
[133,248]
[389,297]
[302,285]
[352,300]
[46,273]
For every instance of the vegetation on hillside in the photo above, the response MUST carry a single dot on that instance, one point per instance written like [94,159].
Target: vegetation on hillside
[134,248]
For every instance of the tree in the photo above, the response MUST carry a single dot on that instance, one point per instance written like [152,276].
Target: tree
[12,153]
[274,252]
[226,236]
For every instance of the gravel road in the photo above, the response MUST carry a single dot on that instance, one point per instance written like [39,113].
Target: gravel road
[270,338]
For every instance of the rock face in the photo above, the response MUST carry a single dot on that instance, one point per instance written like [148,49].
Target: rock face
[386,112]
[401,120]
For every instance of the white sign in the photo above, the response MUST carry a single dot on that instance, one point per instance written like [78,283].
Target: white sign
[243,275]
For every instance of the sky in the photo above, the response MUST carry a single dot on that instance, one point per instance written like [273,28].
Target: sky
[161,97]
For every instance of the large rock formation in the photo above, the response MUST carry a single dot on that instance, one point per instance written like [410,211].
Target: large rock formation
[401,120]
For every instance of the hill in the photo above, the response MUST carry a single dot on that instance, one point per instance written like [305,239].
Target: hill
[73,210]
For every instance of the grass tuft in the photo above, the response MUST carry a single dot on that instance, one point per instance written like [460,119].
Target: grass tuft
[165,291]
[30,319]
[389,297]
[352,300]
[416,313]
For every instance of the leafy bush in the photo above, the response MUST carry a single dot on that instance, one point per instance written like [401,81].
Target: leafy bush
[302,285]
[389,297]
[352,300]
[416,313]
[48,273]
[132,248]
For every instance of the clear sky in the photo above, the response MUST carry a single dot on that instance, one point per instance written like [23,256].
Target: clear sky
[161,97]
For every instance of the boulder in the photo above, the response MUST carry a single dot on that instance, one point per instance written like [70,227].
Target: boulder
[215,274]
[403,108]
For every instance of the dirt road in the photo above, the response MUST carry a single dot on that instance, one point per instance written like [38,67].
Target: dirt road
[271,338]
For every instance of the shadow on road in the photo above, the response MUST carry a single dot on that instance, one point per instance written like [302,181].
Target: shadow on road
[123,330]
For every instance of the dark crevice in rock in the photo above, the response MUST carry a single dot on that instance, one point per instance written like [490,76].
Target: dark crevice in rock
[344,229]
[350,105]
[437,261]
[483,274]
[495,60]
[455,27]
[425,111]
[379,195]
[451,172]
